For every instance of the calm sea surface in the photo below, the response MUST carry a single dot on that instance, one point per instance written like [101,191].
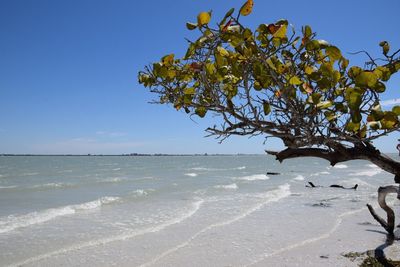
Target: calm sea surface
[170,210]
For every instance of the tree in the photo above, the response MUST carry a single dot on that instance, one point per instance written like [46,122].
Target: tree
[277,83]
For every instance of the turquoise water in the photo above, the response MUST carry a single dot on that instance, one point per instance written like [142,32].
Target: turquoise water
[167,210]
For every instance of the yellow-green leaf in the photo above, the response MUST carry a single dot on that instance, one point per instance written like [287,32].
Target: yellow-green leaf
[189,91]
[168,60]
[333,53]
[222,51]
[352,127]
[295,80]
[324,104]
[281,33]
[366,78]
[396,110]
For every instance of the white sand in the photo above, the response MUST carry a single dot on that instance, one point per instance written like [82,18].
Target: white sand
[357,232]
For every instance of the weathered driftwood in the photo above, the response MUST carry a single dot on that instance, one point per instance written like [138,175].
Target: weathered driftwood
[382,193]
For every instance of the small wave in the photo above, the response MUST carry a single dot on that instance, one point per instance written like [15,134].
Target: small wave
[340,166]
[229,186]
[29,173]
[113,180]
[271,196]
[299,178]
[116,169]
[320,173]
[51,185]
[186,214]
[13,222]
[254,177]
[65,171]
[8,187]
[372,166]
[201,169]
[192,174]
[141,192]
[217,169]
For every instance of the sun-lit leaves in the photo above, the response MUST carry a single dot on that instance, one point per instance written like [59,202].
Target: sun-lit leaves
[396,110]
[168,60]
[247,8]
[353,97]
[295,80]
[333,53]
[366,79]
[274,74]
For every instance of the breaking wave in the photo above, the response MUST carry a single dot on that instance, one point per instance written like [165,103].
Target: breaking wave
[13,222]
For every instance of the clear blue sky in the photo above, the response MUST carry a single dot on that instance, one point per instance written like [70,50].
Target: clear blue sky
[68,69]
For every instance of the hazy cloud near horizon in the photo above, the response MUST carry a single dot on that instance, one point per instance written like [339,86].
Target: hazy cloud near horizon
[390,102]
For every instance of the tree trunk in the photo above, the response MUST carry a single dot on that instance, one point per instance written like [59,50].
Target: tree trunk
[382,193]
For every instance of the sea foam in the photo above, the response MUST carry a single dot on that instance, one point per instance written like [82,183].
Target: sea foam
[13,222]
[192,174]
[229,186]
[340,166]
[254,177]
[299,178]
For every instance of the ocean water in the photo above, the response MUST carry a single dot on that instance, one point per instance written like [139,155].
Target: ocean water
[172,210]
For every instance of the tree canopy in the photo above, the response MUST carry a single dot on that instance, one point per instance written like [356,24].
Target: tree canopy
[276,82]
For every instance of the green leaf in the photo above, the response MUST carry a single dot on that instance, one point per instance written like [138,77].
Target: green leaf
[352,127]
[366,78]
[333,53]
[190,51]
[227,15]
[353,97]
[356,116]
[379,87]
[189,91]
[307,32]
[374,125]
[222,51]
[323,43]
[389,121]
[168,60]
[201,112]
[267,108]
[295,81]
[354,72]
[382,73]
[324,104]
[385,47]
[396,110]
[315,97]
[281,33]
[191,26]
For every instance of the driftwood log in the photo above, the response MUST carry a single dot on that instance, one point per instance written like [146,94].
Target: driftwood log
[383,191]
